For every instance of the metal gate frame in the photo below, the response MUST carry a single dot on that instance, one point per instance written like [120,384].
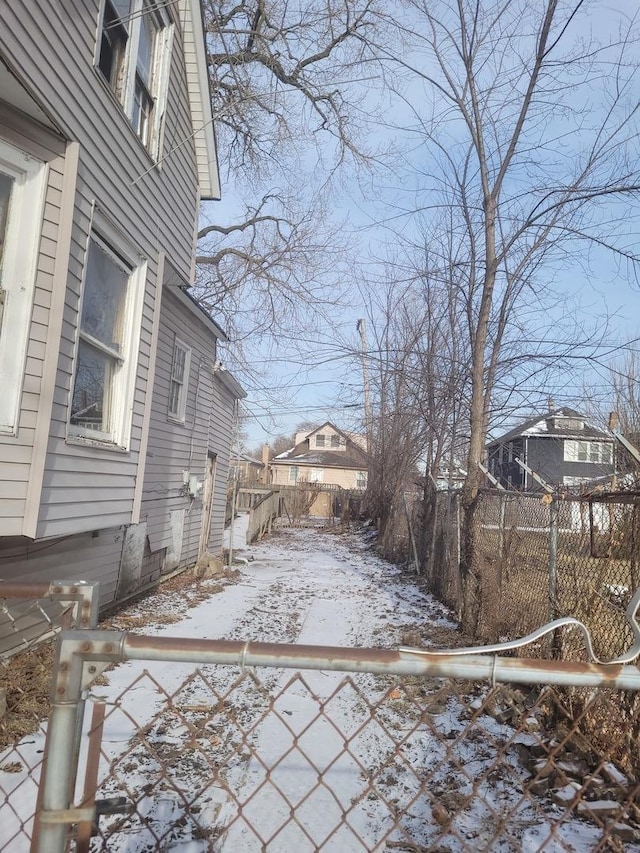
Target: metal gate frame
[83,655]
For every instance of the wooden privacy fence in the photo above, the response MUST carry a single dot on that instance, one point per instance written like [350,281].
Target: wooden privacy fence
[262,515]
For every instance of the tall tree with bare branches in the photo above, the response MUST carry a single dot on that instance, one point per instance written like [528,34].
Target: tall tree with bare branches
[529,129]
[287,115]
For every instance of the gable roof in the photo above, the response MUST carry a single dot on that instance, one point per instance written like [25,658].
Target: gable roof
[352,457]
[544,425]
[328,424]
[195,55]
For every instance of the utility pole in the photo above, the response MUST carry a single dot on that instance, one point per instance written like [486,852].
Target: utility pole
[361,327]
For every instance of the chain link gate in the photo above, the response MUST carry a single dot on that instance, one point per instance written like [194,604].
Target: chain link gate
[29,614]
[409,751]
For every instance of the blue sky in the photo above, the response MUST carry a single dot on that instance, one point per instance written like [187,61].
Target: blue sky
[316,378]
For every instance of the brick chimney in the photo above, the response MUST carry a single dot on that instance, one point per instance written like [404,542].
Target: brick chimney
[266,453]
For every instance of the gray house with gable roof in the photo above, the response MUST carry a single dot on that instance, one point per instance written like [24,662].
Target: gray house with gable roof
[562,446]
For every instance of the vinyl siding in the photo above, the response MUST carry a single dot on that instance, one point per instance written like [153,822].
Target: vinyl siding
[155,207]
[16,451]
[343,477]
[221,436]
[174,447]
[84,557]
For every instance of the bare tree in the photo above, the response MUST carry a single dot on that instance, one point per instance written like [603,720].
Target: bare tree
[625,382]
[419,374]
[287,111]
[278,73]
[527,164]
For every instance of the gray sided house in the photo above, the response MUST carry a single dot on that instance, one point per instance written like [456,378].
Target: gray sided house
[114,411]
[561,446]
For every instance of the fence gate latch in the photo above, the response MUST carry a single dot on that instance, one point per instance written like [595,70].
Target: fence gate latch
[112,805]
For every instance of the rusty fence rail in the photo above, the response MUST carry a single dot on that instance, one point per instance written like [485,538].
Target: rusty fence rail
[273,747]
[31,613]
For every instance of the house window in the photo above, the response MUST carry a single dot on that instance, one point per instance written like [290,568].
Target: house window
[113,41]
[335,441]
[598,452]
[104,374]
[320,440]
[135,49]
[293,473]
[575,424]
[22,184]
[179,382]
[317,475]
[361,479]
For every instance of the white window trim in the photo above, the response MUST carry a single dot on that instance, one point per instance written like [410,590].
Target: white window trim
[180,416]
[572,449]
[296,477]
[123,387]
[316,475]
[161,72]
[19,267]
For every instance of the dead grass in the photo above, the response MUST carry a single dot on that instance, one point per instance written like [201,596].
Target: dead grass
[27,680]
[26,676]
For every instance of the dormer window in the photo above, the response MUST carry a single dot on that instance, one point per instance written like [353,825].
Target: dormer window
[575,424]
[335,441]
[320,440]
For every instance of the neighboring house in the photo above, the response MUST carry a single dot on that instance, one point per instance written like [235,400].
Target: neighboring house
[114,413]
[246,469]
[324,455]
[562,447]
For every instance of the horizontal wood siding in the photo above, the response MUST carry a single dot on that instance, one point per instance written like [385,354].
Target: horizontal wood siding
[16,450]
[174,448]
[51,48]
[85,557]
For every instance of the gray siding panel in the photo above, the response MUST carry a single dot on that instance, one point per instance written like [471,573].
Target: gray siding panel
[174,447]
[155,207]
[85,557]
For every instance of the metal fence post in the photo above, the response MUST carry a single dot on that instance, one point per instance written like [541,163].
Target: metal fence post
[554,515]
[553,557]
[61,752]
[501,526]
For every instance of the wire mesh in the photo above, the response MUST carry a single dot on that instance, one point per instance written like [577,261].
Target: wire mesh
[594,561]
[30,616]
[261,760]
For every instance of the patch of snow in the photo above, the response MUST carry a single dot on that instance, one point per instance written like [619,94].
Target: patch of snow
[306,587]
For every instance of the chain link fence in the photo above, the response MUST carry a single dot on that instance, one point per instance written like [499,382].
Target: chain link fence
[538,557]
[406,752]
[30,614]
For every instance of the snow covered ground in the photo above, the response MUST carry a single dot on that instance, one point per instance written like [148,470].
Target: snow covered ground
[316,761]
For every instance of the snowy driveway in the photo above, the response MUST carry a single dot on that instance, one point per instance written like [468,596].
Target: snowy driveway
[224,760]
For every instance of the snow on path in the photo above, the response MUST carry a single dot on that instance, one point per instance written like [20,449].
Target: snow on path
[307,587]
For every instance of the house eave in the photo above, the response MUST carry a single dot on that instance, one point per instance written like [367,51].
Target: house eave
[181,293]
[231,384]
[200,101]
